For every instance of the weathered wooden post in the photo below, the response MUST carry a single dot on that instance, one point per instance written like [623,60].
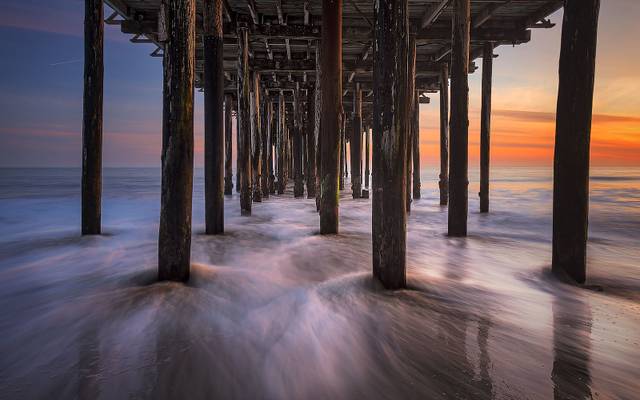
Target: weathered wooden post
[213,117]
[390,70]
[311,143]
[244,121]
[444,135]
[256,138]
[174,240]
[459,122]
[367,155]
[573,137]
[316,128]
[282,146]
[343,152]
[415,135]
[228,173]
[92,117]
[298,183]
[485,126]
[356,144]
[330,126]
[272,144]
[265,136]
[411,90]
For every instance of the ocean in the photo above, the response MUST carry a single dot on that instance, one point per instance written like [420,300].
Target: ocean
[275,311]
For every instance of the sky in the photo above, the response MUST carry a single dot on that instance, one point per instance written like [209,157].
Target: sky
[41,78]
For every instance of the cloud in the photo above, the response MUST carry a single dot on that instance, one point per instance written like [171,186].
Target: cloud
[547,117]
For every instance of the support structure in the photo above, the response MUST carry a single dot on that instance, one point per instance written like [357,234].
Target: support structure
[485,126]
[228,174]
[367,156]
[174,241]
[311,143]
[298,183]
[317,130]
[356,144]
[411,104]
[92,117]
[282,146]
[213,117]
[573,136]
[389,220]
[265,138]
[331,82]
[459,122]
[244,121]
[256,137]
[444,135]
[415,135]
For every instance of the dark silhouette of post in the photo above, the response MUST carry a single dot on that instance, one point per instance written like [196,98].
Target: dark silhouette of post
[311,143]
[265,137]
[459,122]
[444,135]
[282,146]
[411,90]
[174,241]
[256,137]
[367,156]
[298,183]
[573,136]
[331,83]
[92,117]
[485,126]
[390,68]
[356,144]
[415,135]
[317,130]
[228,173]
[244,121]
[213,117]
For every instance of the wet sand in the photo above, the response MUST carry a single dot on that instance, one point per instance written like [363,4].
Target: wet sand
[275,311]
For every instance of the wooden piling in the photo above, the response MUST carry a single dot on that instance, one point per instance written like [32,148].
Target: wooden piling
[298,183]
[282,144]
[415,136]
[444,135]
[256,137]
[92,117]
[411,90]
[213,117]
[265,137]
[228,173]
[485,125]
[244,121]
[459,122]
[343,153]
[367,155]
[331,82]
[174,241]
[317,130]
[390,69]
[573,137]
[311,143]
[356,144]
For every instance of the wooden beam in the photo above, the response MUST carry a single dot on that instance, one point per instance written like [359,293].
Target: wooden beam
[174,240]
[92,117]
[310,131]
[459,122]
[389,217]
[228,172]
[432,13]
[213,117]
[488,12]
[356,144]
[256,133]
[573,138]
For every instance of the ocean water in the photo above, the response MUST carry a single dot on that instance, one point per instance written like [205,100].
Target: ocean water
[276,311]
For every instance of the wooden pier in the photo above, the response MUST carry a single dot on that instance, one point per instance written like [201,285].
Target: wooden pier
[304,77]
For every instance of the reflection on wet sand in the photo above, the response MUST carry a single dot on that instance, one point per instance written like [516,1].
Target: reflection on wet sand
[571,349]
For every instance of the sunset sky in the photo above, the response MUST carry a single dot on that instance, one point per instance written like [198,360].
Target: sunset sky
[41,80]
